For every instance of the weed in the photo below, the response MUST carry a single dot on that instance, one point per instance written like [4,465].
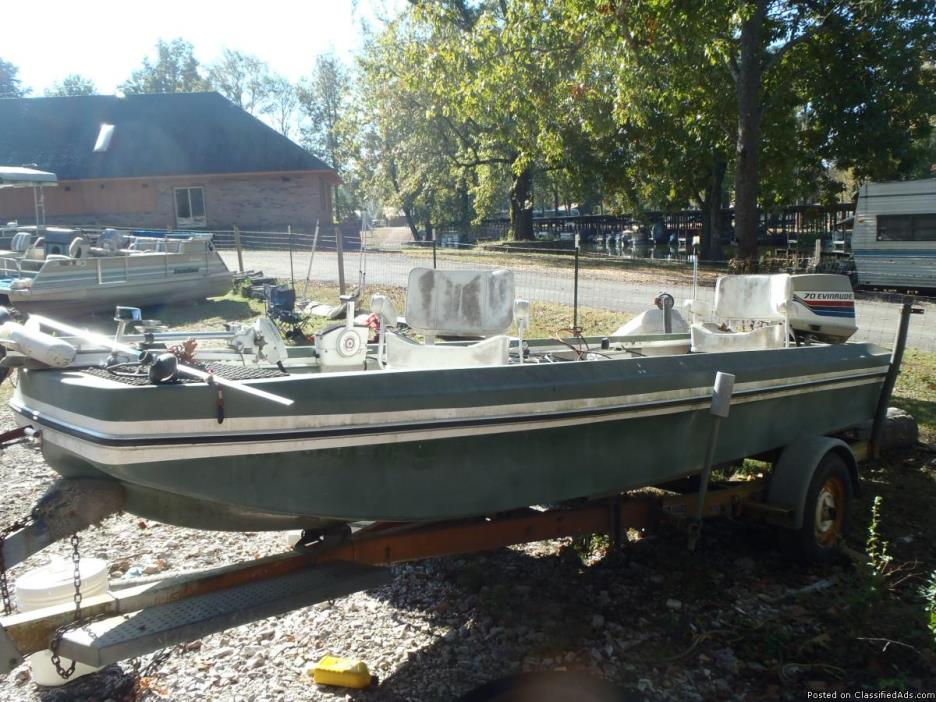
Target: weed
[592,547]
[929,598]
[879,560]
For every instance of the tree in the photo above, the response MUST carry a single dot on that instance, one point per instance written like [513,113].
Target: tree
[70,85]
[281,103]
[10,84]
[497,72]
[175,70]
[660,120]
[878,51]
[323,98]
[399,155]
[243,79]
[801,82]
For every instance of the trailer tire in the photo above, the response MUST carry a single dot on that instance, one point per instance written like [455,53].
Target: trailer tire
[825,513]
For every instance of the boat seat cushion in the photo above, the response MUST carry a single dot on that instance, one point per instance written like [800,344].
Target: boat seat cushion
[460,302]
[709,338]
[406,353]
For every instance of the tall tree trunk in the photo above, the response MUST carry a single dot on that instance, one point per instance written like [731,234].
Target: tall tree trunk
[712,249]
[750,74]
[430,232]
[521,206]
[410,221]
[407,205]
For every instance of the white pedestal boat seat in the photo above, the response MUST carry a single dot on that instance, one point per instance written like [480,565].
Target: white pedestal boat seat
[466,303]
[756,298]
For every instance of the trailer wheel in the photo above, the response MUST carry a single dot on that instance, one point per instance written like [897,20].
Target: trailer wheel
[825,512]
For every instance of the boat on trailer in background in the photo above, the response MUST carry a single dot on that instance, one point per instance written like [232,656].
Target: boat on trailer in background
[378,448]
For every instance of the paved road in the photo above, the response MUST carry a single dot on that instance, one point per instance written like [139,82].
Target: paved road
[619,291]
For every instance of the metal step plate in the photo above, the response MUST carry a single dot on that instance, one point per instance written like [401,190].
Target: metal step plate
[110,640]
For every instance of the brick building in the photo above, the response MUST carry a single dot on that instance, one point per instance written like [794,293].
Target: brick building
[167,161]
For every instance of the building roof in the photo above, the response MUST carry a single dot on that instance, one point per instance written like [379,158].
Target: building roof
[153,135]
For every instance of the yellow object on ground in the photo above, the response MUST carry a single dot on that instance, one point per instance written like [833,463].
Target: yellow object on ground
[342,672]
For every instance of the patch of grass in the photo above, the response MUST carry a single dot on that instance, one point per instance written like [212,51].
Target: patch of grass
[547,317]
[915,391]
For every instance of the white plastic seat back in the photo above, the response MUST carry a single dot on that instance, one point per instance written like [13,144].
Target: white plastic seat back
[405,353]
[460,302]
[754,297]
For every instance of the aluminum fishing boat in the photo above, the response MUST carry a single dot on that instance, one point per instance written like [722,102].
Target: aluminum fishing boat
[416,428]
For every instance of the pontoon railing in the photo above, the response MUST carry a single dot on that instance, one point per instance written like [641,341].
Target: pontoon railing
[10,268]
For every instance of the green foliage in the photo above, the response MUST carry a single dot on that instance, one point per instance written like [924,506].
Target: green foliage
[880,562]
[249,83]
[72,84]
[929,597]
[175,70]
[876,106]
[323,98]
[242,79]
[485,90]
[10,83]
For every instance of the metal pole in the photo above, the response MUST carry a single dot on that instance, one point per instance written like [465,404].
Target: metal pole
[292,275]
[305,292]
[900,343]
[237,245]
[339,245]
[721,404]
[433,249]
[575,291]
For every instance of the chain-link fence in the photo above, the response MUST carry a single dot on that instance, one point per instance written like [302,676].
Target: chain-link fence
[614,281]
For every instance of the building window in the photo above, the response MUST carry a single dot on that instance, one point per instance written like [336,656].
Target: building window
[190,206]
[917,227]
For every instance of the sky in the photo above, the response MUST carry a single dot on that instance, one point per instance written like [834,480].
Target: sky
[105,40]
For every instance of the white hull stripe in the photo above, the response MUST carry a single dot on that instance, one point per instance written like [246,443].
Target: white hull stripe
[128,453]
[234,428]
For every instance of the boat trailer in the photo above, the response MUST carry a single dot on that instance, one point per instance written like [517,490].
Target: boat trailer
[135,619]
[139,618]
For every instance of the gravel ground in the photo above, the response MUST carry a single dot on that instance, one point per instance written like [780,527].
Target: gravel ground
[662,623]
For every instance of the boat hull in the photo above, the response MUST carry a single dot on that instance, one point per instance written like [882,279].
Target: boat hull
[135,293]
[430,445]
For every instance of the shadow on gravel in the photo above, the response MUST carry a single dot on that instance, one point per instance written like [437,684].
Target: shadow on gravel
[626,618]
[110,683]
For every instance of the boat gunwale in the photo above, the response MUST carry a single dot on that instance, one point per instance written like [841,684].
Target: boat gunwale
[691,403]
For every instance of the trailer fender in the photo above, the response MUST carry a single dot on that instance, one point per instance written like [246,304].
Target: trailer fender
[792,473]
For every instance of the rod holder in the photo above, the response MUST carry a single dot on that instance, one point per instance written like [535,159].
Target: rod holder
[721,405]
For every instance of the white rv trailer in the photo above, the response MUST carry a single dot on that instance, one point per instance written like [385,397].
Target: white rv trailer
[894,235]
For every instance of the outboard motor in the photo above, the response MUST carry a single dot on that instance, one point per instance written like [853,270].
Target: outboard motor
[823,308]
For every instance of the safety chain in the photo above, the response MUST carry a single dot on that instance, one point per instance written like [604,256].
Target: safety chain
[4,585]
[141,672]
[60,632]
